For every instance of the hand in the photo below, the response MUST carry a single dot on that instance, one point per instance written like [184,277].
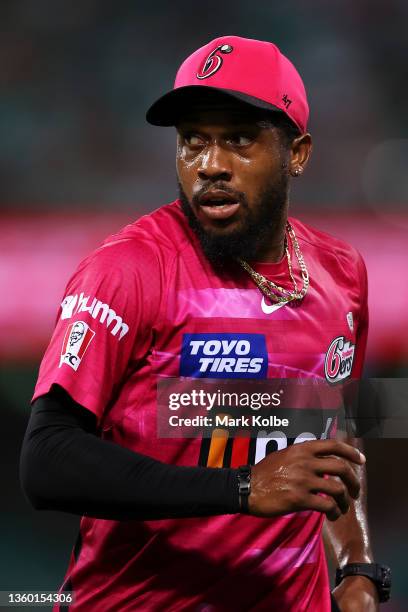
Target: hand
[356,594]
[293,479]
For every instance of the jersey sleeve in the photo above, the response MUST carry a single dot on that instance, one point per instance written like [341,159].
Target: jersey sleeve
[362,328]
[104,324]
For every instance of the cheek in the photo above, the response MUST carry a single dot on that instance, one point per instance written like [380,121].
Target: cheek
[255,174]
[187,174]
[272,166]
[183,175]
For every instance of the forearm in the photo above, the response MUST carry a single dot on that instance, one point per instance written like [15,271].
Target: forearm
[66,467]
[347,539]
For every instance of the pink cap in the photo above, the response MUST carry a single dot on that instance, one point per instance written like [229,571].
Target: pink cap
[252,71]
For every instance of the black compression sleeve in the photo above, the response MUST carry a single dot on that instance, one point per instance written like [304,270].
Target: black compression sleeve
[65,466]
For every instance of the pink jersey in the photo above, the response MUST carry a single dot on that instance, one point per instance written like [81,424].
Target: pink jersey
[130,315]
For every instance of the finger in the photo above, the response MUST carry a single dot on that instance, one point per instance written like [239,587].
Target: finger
[333,488]
[326,505]
[338,467]
[335,447]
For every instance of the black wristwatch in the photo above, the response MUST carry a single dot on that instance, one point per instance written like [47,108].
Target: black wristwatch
[244,486]
[379,574]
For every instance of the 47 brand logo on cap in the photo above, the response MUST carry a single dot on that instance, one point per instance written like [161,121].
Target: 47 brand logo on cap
[339,359]
[76,340]
[213,61]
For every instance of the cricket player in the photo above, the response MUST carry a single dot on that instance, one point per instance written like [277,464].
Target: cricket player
[219,285]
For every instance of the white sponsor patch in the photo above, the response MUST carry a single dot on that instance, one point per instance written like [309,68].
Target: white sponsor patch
[72,304]
[68,304]
[350,321]
[76,340]
[339,359]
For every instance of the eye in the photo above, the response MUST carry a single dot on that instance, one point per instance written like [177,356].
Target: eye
[241,139]
[192,140]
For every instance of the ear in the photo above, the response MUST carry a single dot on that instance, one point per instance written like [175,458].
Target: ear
[300,152]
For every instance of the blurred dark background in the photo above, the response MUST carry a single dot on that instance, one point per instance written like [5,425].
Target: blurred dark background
[78,161]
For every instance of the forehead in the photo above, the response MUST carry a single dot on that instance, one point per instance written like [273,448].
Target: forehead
[223,119]
[218,119]
[222,112]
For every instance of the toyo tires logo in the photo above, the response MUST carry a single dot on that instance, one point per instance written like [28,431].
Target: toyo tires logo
[221,355]
[339,359]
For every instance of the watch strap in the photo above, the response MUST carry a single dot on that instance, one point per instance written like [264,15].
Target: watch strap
[379,574]
[244,486]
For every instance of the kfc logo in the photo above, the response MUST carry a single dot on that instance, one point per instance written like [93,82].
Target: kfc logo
[76,340]
[339,360]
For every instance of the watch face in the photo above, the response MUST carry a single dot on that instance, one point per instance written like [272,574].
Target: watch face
[384,588]
[386,575]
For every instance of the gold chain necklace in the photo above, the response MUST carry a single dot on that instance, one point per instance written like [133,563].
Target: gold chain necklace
[273,291]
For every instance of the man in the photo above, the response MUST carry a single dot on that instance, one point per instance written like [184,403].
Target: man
[215,527]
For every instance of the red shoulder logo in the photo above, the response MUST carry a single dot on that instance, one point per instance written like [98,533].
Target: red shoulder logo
[77,338]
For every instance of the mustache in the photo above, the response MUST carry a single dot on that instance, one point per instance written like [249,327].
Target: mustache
[239,196]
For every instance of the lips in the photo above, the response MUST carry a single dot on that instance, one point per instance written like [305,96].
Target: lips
[218,204]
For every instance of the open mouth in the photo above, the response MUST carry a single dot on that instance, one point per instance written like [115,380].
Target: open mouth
[218,205]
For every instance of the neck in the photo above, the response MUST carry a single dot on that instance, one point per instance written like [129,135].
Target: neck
[273,249]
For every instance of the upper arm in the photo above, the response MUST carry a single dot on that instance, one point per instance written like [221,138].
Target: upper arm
[104,325]
[57,409]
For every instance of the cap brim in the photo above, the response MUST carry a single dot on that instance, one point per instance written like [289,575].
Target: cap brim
[169,109]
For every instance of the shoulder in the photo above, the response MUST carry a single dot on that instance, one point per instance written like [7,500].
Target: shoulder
[326,245]
[132,266]
[164,228]
[144,246]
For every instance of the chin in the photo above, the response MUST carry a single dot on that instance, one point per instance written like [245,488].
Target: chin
[221,240]
[236,224]
[233,228]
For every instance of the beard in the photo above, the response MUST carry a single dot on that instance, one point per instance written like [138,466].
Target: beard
[259,224]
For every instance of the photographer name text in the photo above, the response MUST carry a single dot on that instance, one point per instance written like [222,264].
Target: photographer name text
[222,420]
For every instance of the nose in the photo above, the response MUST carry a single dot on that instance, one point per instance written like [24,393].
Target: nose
[215,164]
